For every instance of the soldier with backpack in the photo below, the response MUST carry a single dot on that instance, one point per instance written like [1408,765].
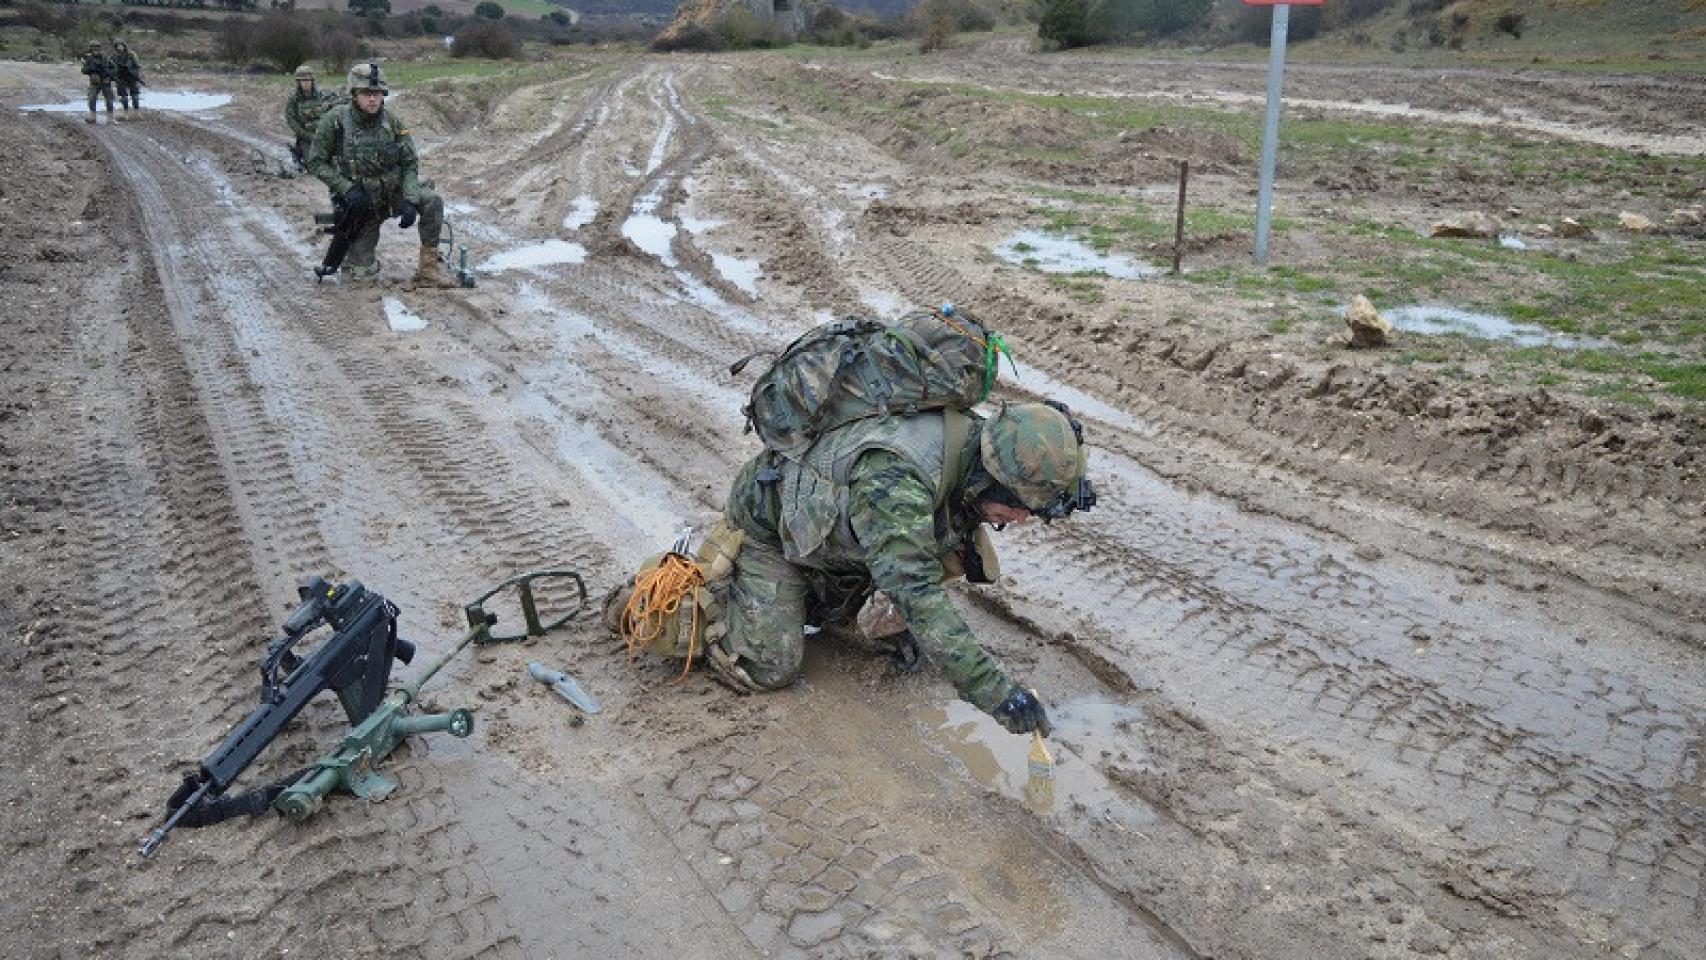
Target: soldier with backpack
[877,475]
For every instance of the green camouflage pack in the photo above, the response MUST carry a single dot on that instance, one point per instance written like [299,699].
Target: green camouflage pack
[852,369]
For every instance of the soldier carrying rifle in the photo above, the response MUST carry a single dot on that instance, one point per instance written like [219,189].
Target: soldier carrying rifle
[99,70]
[363,152]
[128,72]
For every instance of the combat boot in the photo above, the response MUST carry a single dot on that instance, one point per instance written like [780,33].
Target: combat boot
[430,272]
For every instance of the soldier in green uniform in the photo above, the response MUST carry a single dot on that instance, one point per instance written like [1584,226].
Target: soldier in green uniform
[364,154]
[99,70]
[893,504]
[128,72]
[307,104]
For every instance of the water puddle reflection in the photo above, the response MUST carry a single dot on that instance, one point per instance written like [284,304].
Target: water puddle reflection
[1056,254]
[582,210]
[1084,731]
[542,254]
[1434,320]
[182,101]
[400,318]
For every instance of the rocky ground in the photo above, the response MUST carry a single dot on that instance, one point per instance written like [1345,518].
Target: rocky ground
[1363,654]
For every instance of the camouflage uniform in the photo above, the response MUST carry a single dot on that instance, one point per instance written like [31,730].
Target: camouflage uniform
[128,72]
[350,147]
[876,503]
[99,70]
[303,112]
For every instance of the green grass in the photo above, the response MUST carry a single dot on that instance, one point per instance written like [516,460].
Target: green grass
[417,72]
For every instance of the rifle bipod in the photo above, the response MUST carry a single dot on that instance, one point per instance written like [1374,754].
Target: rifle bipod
[355,663]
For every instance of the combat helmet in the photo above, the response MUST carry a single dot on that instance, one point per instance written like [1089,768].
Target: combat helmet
[366,76]
[1035,454]
[304,72]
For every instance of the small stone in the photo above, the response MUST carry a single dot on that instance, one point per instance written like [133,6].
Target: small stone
[1635,223]
[1368,327]
[1474,225]
[1572,229]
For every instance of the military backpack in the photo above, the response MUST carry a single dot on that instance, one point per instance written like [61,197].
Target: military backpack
[852,369]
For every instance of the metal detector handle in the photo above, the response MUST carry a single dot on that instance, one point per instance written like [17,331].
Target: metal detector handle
[477,615]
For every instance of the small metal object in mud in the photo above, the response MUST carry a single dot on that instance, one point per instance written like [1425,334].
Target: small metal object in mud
[565,686]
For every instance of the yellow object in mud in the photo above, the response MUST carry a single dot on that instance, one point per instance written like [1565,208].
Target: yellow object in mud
[675,604]
[1039,788]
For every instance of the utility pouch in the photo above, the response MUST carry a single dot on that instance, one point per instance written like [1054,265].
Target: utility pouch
[677,601]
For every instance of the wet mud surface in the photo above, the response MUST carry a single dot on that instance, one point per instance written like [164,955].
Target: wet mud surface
[1334,679]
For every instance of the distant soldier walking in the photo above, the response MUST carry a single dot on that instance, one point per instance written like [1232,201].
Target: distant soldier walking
[363,152]
[99,70]
[307,104]
[128,73]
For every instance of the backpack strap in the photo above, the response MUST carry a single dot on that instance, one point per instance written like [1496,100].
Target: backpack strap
[956,429]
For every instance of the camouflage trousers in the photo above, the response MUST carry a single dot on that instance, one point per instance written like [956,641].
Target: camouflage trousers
[771,601]
[129,94]
[363,250]
[99,88]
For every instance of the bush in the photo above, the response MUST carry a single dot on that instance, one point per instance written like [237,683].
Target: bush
[488,10]
[1510,22]
[234,40]
[740,29]
[283,40]
[339,48]
[370,8]
[559,17]
[692,38]
[483,38]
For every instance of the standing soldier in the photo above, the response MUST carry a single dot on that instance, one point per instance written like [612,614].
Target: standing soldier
[307,104]
[99,70]
[128,72]
[363,152]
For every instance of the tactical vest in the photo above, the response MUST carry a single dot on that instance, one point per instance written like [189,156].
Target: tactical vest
[308,109]
[371,153]
[98,68]
[815,493]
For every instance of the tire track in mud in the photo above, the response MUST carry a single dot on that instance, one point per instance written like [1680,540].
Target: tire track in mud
[1468,733]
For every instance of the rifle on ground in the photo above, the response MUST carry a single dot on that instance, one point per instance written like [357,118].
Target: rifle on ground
[351,221]
[355,663]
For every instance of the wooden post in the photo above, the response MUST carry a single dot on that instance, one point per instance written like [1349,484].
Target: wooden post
[1179,224]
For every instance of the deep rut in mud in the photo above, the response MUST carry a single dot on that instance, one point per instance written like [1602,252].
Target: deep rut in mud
[1298,718]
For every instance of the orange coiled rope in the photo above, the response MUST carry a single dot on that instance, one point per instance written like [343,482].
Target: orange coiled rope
[657,597]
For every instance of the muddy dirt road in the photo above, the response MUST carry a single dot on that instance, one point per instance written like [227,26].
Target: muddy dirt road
[1328,685]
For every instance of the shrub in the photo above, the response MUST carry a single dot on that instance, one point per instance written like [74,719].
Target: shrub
[283,40]
[1063,23]
[339,48]
[691,37]
[483,38]
[1510,22]
[558,17]
[488,10]
[370,8]
[234,40]
[740,29]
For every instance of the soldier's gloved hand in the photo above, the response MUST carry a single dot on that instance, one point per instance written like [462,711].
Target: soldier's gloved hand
[356,201]
[1022,712]
[409,213]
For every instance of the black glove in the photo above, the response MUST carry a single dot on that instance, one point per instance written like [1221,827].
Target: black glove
[409,213]
[1022,712]
[356,201]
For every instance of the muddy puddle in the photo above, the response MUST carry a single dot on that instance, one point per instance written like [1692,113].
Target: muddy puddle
[400,318]
[1433,320]
[1084,731]
[182,101]
[545,253]
[582,210]
[648,231]
[1052,253]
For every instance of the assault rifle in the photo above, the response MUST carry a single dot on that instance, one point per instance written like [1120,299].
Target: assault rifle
[349,224]
[355,663]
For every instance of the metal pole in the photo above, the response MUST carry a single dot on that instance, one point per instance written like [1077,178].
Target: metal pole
[1270,130]
[1179,224]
